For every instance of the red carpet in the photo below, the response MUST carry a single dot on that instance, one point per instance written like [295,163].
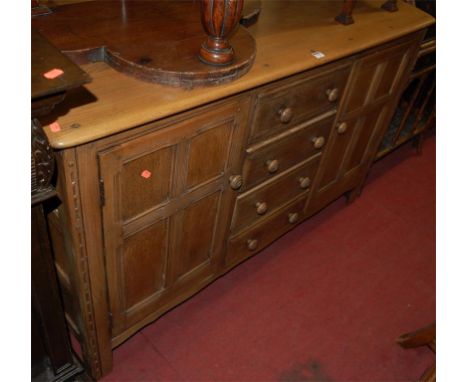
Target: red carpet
[323,303]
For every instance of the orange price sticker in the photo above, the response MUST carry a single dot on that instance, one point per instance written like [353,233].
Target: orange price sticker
[55,127]
[146,174]
[54,73]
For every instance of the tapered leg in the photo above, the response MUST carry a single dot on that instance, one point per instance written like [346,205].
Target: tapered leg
[422,337]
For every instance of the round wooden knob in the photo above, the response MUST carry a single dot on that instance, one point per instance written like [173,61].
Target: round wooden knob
[293,217]
[318,142]
[342,127]
[235,181]
[262,208]
[332,94]
[252,244]
[304,182]
[272,165]
[285,114]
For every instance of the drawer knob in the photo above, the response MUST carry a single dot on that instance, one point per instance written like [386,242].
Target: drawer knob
[252,244]
[285,114]
[235,181]
[304,182]
[272,165]
[332,94]
[342,127]
[318,142]
[262,208]
[293,217]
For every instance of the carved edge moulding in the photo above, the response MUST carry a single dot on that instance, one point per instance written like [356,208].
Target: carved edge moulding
[156,41]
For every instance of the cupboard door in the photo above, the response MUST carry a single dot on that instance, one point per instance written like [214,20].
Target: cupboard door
[370,93]
[166,207]
[338,145]
[375,77]
[349,146]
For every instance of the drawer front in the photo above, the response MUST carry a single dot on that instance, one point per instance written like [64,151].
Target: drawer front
[266,160]
[265,199]
[250,242]
[281,107]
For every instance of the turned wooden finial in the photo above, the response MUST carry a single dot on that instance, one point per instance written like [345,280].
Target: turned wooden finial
[219,19]
[390,6]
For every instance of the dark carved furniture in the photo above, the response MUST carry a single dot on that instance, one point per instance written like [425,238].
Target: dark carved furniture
[51,356]
[157,41]
[164,190]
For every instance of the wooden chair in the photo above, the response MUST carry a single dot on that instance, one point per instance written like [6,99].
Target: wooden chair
[423,337]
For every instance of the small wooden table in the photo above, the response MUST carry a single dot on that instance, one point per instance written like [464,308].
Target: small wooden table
[52,358]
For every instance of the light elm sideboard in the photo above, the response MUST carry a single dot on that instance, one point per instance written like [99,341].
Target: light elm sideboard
[163,190]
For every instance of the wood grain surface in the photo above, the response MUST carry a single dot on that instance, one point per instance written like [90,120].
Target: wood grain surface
[285,34]
[44,58]
[154,41]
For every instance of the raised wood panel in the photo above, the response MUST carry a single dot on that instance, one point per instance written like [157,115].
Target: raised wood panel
[144,263]
[362,136]
[197,234]
[389,76]
[374,77]
[338,145]
[146,181]
[363,79]
[208,154]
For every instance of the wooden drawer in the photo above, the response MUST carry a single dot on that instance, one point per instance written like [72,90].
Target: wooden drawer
[265,199]
[257,238]
[281,107]
[271,157]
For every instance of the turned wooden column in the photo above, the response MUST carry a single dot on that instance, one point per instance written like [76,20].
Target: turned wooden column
[390,6]
[219,19]
[345,17]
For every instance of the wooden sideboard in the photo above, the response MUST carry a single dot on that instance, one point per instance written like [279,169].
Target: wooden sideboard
[164,190]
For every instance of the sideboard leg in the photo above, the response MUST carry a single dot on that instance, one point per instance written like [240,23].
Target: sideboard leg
[86,280]
[345,17]
[351,195]
[418,142]
[390,6]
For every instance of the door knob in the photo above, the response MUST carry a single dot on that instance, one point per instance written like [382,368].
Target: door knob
[235,181]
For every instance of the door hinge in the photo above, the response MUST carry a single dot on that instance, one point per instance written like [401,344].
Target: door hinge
[111,322]
[102,195]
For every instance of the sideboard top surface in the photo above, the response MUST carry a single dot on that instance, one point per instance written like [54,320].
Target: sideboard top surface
[286,34]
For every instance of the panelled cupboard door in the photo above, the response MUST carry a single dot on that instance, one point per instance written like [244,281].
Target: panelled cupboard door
[349,142]
[167,200]
[374,79]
